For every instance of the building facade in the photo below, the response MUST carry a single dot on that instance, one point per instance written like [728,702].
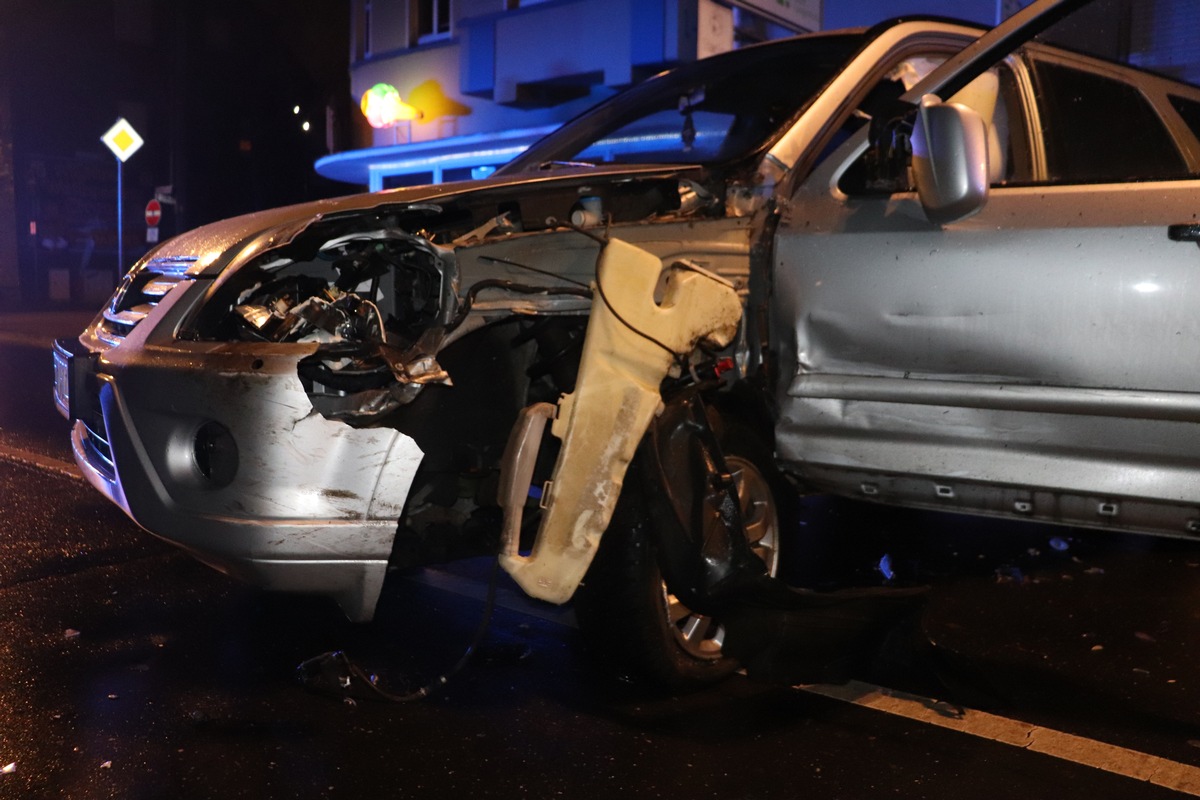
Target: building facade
[489,77]
[485,78]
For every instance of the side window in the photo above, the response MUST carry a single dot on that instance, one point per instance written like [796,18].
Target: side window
[993,94]
[430,20]
[1189,109]
[1100,130]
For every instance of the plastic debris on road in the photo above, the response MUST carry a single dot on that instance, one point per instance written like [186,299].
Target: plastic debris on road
[1145,637]
[1009,574]
[8,769]
[885,567]
[70,633]
[1060,544]
[106,765]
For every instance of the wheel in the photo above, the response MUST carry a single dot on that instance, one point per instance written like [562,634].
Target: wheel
[633,623]
[700,636]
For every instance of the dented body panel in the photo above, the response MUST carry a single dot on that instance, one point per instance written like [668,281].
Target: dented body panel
[1036,360]
[300,515]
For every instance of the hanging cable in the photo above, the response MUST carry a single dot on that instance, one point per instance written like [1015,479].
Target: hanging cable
[678,358]
[538,270]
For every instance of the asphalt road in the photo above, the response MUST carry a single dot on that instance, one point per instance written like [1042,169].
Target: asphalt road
[127,670]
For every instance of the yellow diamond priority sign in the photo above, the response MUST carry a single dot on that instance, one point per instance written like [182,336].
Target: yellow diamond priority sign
[122,139]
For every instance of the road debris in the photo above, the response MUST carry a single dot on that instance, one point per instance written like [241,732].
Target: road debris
[885,567]
[70,634]
[8,769]
[1007,573]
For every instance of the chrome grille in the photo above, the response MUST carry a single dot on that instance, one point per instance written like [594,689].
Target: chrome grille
[138,295]
[99,454]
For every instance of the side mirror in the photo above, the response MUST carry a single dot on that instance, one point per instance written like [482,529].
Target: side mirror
[949,160]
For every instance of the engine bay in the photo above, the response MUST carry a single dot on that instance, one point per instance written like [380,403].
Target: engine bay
[380,292]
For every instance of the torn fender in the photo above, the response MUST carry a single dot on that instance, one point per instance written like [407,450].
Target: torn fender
[631,343]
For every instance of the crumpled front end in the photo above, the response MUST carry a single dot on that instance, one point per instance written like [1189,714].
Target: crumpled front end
[231,413]
[238,470]
[304,397]
[217,447]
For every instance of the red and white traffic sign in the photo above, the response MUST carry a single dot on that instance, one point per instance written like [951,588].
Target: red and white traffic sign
[153,214]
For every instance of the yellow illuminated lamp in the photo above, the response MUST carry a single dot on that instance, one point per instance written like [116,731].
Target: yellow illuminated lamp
[383,108]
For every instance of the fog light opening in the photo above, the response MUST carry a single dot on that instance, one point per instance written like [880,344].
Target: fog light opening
[215,453]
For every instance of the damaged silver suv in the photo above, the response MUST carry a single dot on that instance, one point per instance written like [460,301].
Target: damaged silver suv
[909,264]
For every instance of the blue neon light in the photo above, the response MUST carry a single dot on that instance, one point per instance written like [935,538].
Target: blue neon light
[372,165]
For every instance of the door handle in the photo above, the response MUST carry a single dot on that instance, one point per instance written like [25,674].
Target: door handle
[1189,232]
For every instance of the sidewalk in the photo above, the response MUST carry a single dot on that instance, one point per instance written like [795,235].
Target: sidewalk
[41,328]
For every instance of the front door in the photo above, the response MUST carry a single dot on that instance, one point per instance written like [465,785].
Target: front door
[1038,358]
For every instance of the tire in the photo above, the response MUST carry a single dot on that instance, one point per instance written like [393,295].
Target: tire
[632,622]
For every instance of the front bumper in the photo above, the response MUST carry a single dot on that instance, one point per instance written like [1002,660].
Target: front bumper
[216,448]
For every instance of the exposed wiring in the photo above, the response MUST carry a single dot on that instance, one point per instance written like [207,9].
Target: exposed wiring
[522,288]
[679,358]
[552,222]
[546,272]
[378,317]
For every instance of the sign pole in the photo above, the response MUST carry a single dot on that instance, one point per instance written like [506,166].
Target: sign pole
[123,141]
[120,222]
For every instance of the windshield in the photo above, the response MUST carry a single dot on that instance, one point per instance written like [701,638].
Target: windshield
[717,110]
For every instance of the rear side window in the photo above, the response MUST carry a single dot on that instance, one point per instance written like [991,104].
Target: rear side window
[1190,111]
[1100,130]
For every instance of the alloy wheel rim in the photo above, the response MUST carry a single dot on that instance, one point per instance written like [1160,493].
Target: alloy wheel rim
[699,635]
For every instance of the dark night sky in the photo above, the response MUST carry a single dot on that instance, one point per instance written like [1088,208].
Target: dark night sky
[210,84]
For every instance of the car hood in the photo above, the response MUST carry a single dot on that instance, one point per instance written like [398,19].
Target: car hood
[210,248]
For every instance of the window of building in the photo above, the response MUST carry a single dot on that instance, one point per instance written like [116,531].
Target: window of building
[431,20]
[412,179]
[361,25]
[750,28]
[366,28]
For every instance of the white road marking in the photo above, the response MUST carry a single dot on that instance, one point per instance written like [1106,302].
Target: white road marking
[1068,747]
[39,461]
